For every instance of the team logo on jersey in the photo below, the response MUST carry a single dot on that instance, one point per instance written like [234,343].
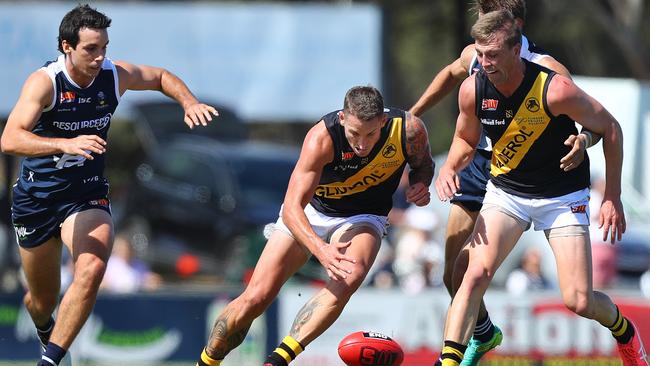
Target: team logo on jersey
[489,104]
[532,104]
[101,101]
[347,155]
[389,151]
[67,97]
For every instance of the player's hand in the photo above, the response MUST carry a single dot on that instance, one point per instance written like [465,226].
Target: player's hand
[577,154]
[83,145]
[612,219]
[199,114]
[418,194]
[331,257]
[447,183]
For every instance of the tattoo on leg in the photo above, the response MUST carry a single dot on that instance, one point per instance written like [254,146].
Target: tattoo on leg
[221,343]
[237,338]
[304,315]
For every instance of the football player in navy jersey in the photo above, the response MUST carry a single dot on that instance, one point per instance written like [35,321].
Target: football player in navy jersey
[467,201]
[528,111]
[59,125]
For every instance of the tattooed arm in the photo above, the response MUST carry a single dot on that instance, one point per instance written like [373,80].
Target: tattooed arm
[419,160]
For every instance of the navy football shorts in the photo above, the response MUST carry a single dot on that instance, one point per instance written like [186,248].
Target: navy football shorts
[37,220]
[473,180]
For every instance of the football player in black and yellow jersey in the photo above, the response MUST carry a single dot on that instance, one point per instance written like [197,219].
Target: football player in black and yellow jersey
[60,126]
[467,202]
[335,209]
[528,110]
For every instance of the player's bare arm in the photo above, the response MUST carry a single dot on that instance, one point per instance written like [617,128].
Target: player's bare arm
[564,97]
[419,160]
[317,151]
[141,77]
[444,82]
[580,142]
[553,64]
[17,137]
[466,137]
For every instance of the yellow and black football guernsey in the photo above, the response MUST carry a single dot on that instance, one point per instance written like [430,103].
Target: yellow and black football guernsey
[528,142]
[352,185]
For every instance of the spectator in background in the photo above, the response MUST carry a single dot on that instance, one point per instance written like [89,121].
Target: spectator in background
[127,274]
[418,258]
[528,276]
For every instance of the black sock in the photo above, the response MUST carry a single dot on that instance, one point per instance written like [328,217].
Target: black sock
[52,356]
[45,331]
[484,329]
[622,330]
[286,352]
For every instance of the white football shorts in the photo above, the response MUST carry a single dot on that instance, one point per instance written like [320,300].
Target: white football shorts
[325,226]
[544,213]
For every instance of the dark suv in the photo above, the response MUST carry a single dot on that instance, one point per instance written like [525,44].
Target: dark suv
[203,193]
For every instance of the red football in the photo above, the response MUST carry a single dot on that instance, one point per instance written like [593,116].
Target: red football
[370,349]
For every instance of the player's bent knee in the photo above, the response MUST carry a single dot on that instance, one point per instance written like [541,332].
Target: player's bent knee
[43,304]
[90,271]
[580,304]
[254,302]
[477,276]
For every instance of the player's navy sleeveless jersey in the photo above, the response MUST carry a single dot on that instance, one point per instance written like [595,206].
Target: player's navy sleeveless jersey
[528,140]
[352,185]
[529,51]
[74,111]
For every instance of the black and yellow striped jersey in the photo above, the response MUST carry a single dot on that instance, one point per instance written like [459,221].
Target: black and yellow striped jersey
[528,142]
[352,185]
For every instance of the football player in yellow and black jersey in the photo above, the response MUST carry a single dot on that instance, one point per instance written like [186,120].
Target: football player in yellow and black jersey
[60,126]
[528,111]
[336,209]
[467,202]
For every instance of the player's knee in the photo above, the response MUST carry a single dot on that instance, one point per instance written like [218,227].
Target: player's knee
[477,276]
[580,304]
[41,305]
[256,300]
[90,271]
[344,289]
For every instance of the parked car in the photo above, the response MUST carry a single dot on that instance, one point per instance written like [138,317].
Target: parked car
[202,195]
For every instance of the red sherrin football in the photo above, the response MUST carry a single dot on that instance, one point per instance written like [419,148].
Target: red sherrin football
[370,349]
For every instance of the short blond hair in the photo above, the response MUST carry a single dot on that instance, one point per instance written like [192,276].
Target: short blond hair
[490,23]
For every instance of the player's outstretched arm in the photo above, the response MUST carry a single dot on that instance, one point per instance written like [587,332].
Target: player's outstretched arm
[466,137]
[17,137]
[419,160]
[564,97]
[444,82]
[141,77]
[317,151]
